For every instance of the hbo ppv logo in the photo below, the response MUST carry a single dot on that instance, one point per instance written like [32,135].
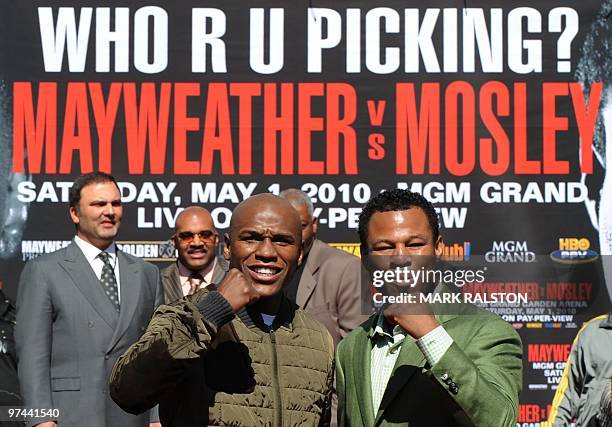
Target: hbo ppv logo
[574,250]
[573,244]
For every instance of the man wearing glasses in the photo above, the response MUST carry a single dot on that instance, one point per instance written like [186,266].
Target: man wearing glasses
[198,265]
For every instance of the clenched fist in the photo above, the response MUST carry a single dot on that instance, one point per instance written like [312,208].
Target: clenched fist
[237,290]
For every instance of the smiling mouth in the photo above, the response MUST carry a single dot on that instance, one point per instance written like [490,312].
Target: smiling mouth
[197,254]
[264,274]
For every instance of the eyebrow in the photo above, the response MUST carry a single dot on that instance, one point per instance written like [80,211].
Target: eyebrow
[105,201]
[287,236]
[413,236]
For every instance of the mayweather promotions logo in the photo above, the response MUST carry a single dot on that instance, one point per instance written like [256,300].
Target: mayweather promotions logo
[574,251]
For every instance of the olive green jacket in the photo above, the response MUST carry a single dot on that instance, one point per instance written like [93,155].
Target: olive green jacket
[476,383]
[205,369]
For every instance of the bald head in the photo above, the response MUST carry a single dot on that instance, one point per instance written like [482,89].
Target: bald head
[193,211]
[297,198]
[308,222]
[195,238]
[265,204]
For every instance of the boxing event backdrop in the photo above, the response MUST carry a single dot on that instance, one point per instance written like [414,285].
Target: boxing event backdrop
[495,111]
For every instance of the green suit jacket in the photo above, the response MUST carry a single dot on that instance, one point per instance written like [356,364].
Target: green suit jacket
[485,363]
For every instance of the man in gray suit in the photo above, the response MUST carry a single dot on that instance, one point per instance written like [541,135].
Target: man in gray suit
[198,265]
[79,309]
[327,284]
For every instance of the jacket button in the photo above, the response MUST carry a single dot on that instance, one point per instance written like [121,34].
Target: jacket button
[106,357]
[444,376]
[91,323]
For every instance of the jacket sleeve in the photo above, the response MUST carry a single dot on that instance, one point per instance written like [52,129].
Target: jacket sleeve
[327,409]
[33,337]
[487,374]
[177,335]
[340,389]
[159,289]
[349,298]
[565,403]
[159,300]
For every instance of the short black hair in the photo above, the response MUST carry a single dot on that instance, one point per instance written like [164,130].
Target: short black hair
[85,180]
[396,200]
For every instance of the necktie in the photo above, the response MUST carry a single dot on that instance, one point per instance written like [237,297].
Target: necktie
[195,280]
[108,280]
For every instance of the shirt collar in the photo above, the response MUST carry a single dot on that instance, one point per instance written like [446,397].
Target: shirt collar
[91,252]
[206,272]
[383,329]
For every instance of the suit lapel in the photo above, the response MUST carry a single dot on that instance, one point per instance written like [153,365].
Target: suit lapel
[172,285]
[83,276]
[308,283]
[220,269]
[361,374]
[410,356]
[131,287]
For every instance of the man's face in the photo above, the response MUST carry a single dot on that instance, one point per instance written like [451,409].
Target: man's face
[265,245]
[309,227]
[98,215]
[402,239]
[196,240]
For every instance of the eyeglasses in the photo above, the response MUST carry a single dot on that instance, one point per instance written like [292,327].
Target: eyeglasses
[206,236]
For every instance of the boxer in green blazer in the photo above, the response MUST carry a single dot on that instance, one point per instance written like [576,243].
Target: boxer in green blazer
[433,366]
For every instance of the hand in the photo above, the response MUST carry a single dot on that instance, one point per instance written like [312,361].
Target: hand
[237,290]
[415,317]
[155,425]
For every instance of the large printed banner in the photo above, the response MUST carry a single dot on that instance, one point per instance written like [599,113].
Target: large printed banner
[496,111]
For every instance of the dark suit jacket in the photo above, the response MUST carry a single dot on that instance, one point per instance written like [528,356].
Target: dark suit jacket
[69,335]
[171,279]
[329,289]
[484,362]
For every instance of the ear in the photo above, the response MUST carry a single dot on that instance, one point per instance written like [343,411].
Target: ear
[74,214]
[226,250]
[174,240]
[439,247]
[315,224]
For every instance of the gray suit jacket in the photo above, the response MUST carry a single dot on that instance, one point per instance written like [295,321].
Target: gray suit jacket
[330,290]
[172,280]
[69,335]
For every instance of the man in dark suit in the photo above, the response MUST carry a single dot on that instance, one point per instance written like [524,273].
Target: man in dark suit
[79,309]
[423,364]
[327,284]
[198,265]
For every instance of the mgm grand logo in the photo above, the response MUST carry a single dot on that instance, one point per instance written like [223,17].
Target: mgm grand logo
[510,252]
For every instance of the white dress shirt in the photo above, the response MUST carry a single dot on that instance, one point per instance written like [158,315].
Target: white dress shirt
[386,347]
[91,254]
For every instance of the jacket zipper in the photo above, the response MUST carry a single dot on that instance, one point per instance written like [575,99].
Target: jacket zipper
[278,415]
